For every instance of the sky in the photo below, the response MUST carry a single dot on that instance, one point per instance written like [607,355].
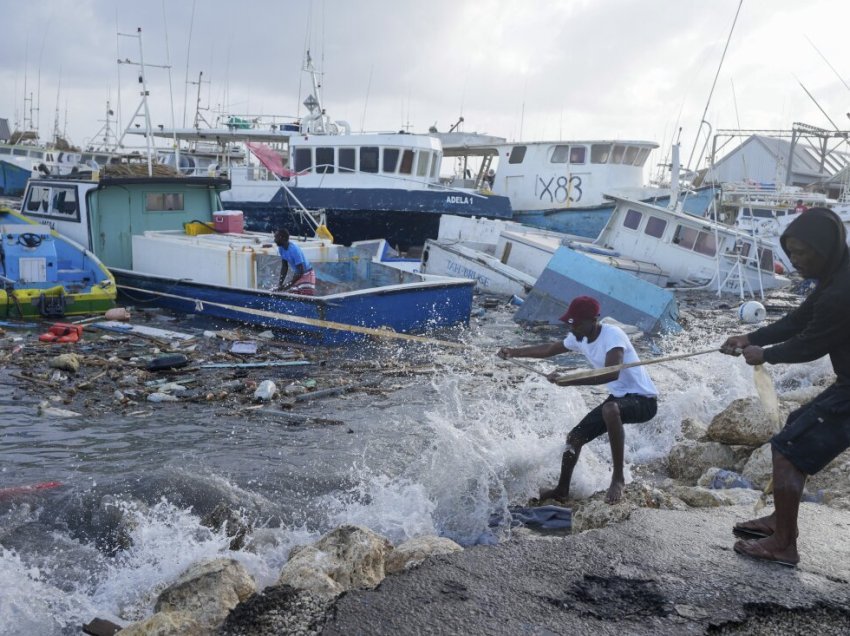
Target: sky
[525,70]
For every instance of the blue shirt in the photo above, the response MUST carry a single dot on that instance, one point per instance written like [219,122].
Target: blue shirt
[294,256]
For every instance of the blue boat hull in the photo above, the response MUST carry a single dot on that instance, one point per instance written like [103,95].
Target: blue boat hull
[401,308]
[622,296]
[588,222]
[13,179]
[404,217]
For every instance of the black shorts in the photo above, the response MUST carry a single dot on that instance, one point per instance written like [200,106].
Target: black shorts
[817,432]
[634,408]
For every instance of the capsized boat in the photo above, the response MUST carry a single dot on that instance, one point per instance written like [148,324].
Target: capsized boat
[168,240]
[46,275]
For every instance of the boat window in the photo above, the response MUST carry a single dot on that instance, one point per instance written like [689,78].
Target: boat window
[5,151]
[347,159]
[578,154]
[369,159]
[19,152]
[746,212]
[435,166]
[163,201]
[617,154]
[325,160]
[685,236]
[745,248]
[560,154]
[406,162]
[391,156]
[642,155]
[631,155]
[422,165]
[706,244]
[762,213]
[303,159]
[632,219]
[766,259]
[517,154]
[599,153]
[38,198]
[65,201]
[655,226]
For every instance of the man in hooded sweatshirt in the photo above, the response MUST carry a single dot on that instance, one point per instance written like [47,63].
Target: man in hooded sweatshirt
[819,431]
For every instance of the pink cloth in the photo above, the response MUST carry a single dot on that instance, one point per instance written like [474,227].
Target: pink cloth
[270,159]
[306,285]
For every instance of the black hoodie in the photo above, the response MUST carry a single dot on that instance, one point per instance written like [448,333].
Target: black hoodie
[819,326]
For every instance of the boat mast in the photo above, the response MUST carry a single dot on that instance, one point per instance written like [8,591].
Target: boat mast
[143,104]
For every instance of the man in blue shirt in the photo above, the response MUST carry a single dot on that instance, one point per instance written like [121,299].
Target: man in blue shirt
[303,279]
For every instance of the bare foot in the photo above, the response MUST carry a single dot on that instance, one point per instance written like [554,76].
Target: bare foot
[554,493]
[769,550]
[615,492]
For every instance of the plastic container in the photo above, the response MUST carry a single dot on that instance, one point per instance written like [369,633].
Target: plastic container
[194,228]
[229,222]
[265,391]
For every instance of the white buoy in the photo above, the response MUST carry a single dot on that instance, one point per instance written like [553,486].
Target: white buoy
[751,311]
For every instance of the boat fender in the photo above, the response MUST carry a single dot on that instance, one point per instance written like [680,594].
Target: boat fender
[751,312]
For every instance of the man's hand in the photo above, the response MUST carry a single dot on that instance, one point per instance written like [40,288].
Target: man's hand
[505,353]
[754,355]
[735,345]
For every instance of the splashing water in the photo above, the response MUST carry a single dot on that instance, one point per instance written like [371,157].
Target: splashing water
[443,456]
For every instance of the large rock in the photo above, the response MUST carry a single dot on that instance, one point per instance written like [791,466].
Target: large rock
[596,513]
[693,429]
[209,590]
[834,479]
[744,422]
[346,558]
[759,467]
[688,460]
[413,552]
[167,624]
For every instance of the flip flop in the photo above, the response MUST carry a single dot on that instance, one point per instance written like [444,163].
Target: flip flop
[757,552]
[750,533]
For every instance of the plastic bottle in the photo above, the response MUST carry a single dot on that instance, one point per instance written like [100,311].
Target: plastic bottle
[265,391]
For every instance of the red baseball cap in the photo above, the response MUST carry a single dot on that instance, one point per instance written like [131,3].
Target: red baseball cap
[580,309]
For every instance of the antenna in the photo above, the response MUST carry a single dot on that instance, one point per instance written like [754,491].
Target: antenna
[143,103]
[711,92]
[186,77]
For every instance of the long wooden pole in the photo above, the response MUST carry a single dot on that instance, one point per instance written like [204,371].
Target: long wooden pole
[594,373]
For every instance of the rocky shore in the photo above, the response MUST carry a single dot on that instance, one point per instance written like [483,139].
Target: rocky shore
[660,562]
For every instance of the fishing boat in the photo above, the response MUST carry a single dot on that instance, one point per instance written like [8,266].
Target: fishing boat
[370,185]
[169,241]
[46,275]
[560,185]
[694,252]
[506,258]
[764,210]
[13,178]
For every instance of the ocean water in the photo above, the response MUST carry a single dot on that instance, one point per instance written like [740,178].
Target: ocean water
[441,454]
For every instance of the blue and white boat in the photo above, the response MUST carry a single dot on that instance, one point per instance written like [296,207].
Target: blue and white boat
[369,185]
[158,237]
[44,275]
[561,185]
[13,178]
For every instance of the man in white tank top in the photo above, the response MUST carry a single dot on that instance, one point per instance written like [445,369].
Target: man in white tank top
[632,399]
